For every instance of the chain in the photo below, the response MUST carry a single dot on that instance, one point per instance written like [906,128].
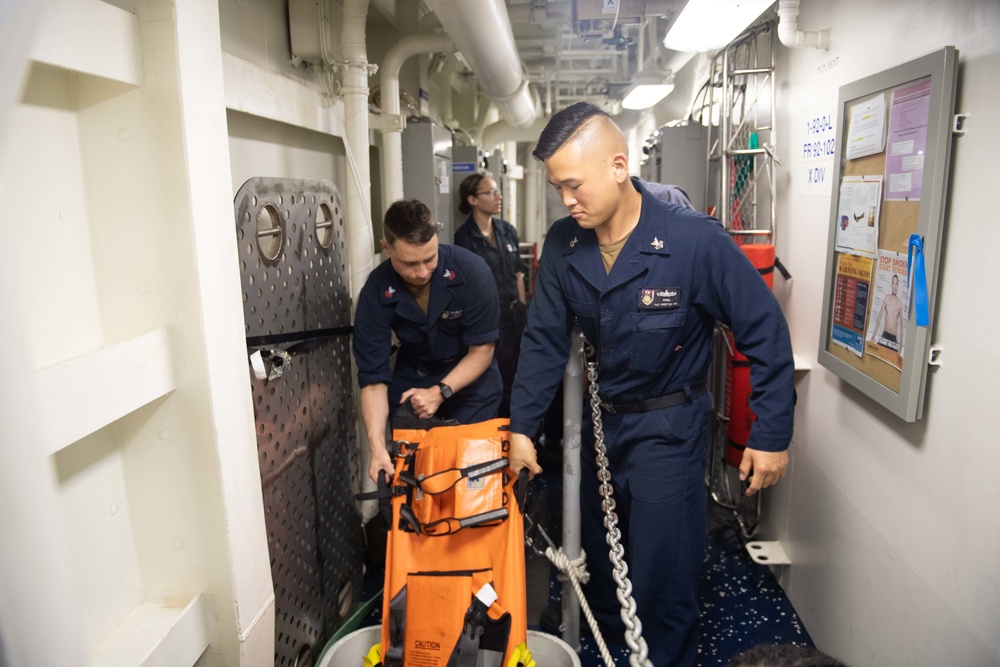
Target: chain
[633,626]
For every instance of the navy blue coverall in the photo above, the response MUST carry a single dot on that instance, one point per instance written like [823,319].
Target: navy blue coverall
[504,260]
[667,192]
[463,310]
[651,321]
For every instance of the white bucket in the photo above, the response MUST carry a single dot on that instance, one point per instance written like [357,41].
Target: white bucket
[550,651]
[350,650]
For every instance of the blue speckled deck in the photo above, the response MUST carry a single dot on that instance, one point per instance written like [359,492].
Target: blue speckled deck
[742,604]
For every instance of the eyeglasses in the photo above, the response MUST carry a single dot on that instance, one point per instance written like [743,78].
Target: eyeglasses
[491,193]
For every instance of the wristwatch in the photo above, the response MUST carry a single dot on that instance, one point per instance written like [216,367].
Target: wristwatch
[445,390]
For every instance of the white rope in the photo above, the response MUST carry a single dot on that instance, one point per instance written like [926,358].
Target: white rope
[576,571]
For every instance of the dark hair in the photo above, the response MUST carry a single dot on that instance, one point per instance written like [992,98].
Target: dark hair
[467,188]
[411,221]
[563,126]
[783,655]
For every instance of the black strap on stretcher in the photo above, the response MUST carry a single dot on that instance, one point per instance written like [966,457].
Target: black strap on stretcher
[443,480]
[429,485]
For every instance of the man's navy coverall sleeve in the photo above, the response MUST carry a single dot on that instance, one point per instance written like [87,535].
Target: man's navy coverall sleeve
[372,324]
[544,345]
[739,297]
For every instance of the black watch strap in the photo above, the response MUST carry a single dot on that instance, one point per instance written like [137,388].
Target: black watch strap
[445,390]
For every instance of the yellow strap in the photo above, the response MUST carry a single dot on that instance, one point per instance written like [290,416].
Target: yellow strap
[374,657]
[520,658]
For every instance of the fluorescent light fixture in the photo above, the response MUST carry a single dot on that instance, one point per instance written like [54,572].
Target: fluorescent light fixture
[708,25]
[648,89]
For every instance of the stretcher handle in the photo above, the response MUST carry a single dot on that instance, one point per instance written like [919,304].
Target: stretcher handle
[385,497]
[521,489]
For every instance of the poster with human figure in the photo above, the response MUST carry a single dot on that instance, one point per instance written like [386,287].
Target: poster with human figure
[886,335]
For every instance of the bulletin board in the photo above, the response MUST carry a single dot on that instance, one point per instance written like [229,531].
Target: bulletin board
[886,220]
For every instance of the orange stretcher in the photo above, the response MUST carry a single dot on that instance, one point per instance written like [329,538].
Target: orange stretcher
[455,593]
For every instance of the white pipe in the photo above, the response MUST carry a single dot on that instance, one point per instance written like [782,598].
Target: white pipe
[482,32]
[487,114]
[789,33]
[392,139]
[445,110]
[502,131]
[536,100]
[510,155]
[640,54]
[572,446]
[532,201]
[360,245]
[429,23]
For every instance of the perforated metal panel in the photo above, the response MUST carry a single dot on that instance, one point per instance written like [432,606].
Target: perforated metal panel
[296,299]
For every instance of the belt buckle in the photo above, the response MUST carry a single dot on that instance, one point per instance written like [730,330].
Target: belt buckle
[608,407]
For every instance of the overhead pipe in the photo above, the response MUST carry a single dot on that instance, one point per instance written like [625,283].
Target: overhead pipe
[502,131]
[354,89]
[510,203]
[532,202]
[486,116]
[788,29]
[451,67]
[392,137]
[482,32]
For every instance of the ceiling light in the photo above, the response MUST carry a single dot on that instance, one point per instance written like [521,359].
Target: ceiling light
[647,90]
[707,25]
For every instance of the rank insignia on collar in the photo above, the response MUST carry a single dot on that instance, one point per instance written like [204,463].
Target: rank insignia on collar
[389,292]
[656,243]
[572,244]
[449,274]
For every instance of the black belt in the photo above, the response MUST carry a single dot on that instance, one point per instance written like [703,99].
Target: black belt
[689,393]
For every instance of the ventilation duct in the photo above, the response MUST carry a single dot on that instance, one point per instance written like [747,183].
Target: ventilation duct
[481,31]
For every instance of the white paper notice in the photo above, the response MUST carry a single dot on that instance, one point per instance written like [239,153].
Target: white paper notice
[907,141]
[858,215]
[900,183]
[866,133]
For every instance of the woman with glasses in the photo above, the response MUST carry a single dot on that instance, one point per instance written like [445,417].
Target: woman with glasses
[495,240]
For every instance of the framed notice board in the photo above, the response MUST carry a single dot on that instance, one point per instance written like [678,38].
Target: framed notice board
[886,214]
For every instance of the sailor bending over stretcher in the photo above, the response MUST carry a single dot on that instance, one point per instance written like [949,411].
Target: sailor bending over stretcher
[441,303]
